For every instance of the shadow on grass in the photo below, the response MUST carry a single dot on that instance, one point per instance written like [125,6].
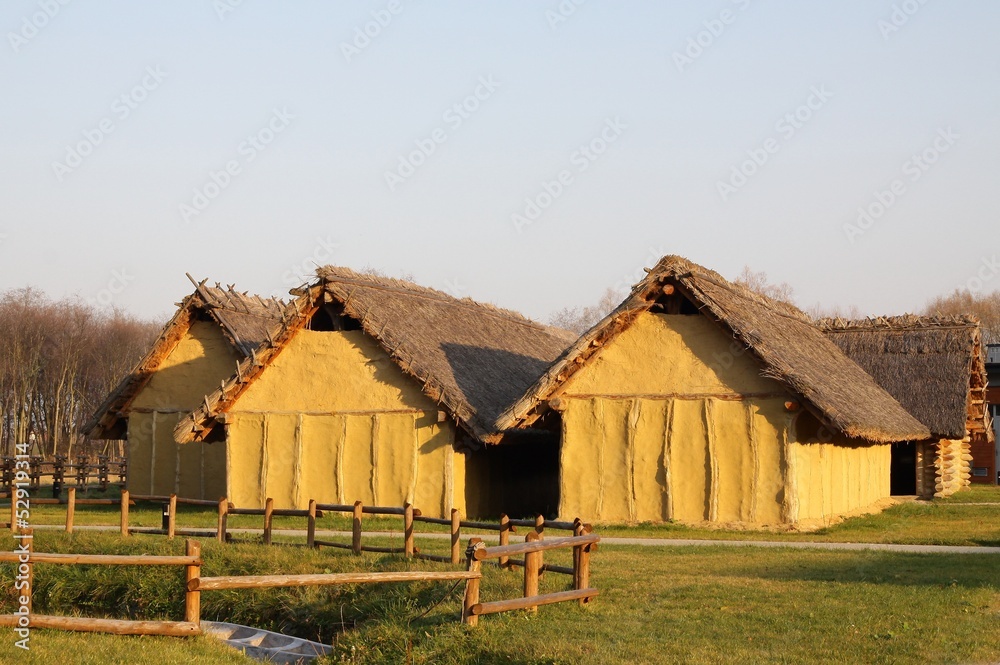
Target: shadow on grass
[932,570]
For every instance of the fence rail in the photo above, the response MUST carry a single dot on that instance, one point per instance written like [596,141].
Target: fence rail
[62,472]
[194,584]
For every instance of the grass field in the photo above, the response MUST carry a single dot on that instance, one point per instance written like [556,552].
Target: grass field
[669,605]
[952,521]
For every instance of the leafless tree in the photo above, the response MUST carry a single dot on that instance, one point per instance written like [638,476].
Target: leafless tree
[986,306]
[582,319]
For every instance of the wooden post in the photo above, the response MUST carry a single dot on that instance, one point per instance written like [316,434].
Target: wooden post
[356,528]
[583,572]
[577,531]
[311,528]
[13,509]
[268,519]
[473,565]
[408,530]
[504,561]
[456,534]
[70,508]
[220,530]
[192,599]
[540,525]
[532,566]
[124,511]
[172,516]
[103,472]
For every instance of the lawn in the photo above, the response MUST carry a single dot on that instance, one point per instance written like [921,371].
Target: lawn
[952,521]
[669,605]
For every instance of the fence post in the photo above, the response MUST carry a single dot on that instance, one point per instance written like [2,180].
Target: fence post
[172,516]
[577,531]
[408,530]
[102,473]
[540,525]
[456,535]
[583,571]
[505,528]
[532,567]
[268,519]
[124,511]
[356,528]
[473,565]
[13,509]
[220,529]
[192,598]
[57,476]
[311,527]
[70,508]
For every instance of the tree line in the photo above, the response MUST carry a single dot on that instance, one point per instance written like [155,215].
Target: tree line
[59,359]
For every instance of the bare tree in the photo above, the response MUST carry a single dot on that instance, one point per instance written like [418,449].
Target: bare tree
[986,306]
[759,282]
[582,319]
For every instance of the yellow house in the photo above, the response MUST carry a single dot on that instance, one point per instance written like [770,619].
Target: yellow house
[374,389]
[698,400]
[935,367]
[212,330]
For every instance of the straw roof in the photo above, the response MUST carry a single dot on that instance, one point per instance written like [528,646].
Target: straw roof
[932,365]
[245,320]
[470,357]
[788,346]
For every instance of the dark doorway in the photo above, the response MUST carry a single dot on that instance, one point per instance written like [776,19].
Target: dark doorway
[903,470]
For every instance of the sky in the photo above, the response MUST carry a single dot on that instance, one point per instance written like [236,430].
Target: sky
[529,154]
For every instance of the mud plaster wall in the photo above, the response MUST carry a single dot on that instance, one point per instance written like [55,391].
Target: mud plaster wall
[334,419]
[672,421]
[157,465]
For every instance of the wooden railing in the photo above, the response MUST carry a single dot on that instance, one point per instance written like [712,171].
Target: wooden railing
[410,517]
[194,584]
[62,472]
[532,549]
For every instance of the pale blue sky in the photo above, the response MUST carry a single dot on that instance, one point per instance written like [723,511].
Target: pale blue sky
[112,228]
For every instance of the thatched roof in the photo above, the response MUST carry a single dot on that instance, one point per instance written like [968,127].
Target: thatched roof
[788,346]
[932,365]
[472,358]
[245,320]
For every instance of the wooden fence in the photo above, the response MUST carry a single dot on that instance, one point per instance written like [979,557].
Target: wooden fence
[195,584]
[410,517]
[61,472]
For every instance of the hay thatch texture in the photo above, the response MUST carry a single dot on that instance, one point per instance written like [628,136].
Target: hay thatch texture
[933,366]
[245,321]
[472,358]
[788,346]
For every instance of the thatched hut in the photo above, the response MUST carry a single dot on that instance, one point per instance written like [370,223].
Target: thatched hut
[700,400]
[213,329]
[373,389]
[935,368]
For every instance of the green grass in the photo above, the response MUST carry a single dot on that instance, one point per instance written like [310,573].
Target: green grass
[949,521]
[669,605]
[51,646]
